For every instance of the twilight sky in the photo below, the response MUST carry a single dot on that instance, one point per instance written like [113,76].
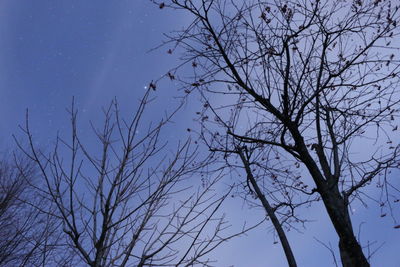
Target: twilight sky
[52,50]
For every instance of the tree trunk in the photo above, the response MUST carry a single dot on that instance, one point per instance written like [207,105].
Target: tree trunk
[351,252]
[271,213]
[278,227]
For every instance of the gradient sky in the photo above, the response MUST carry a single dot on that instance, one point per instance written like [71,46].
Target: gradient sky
[52,50]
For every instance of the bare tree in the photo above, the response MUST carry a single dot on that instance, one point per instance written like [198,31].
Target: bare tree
[300,84]
[126,202]
[27,236]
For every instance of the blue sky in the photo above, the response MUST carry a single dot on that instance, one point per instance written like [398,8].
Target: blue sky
[51,51]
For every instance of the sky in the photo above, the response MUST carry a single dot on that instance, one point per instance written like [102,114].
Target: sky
[51,51]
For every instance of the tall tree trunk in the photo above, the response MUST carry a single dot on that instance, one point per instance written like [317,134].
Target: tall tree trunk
[351,252]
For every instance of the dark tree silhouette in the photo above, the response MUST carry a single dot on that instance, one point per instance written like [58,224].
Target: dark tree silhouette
[28,237]
[295,89]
